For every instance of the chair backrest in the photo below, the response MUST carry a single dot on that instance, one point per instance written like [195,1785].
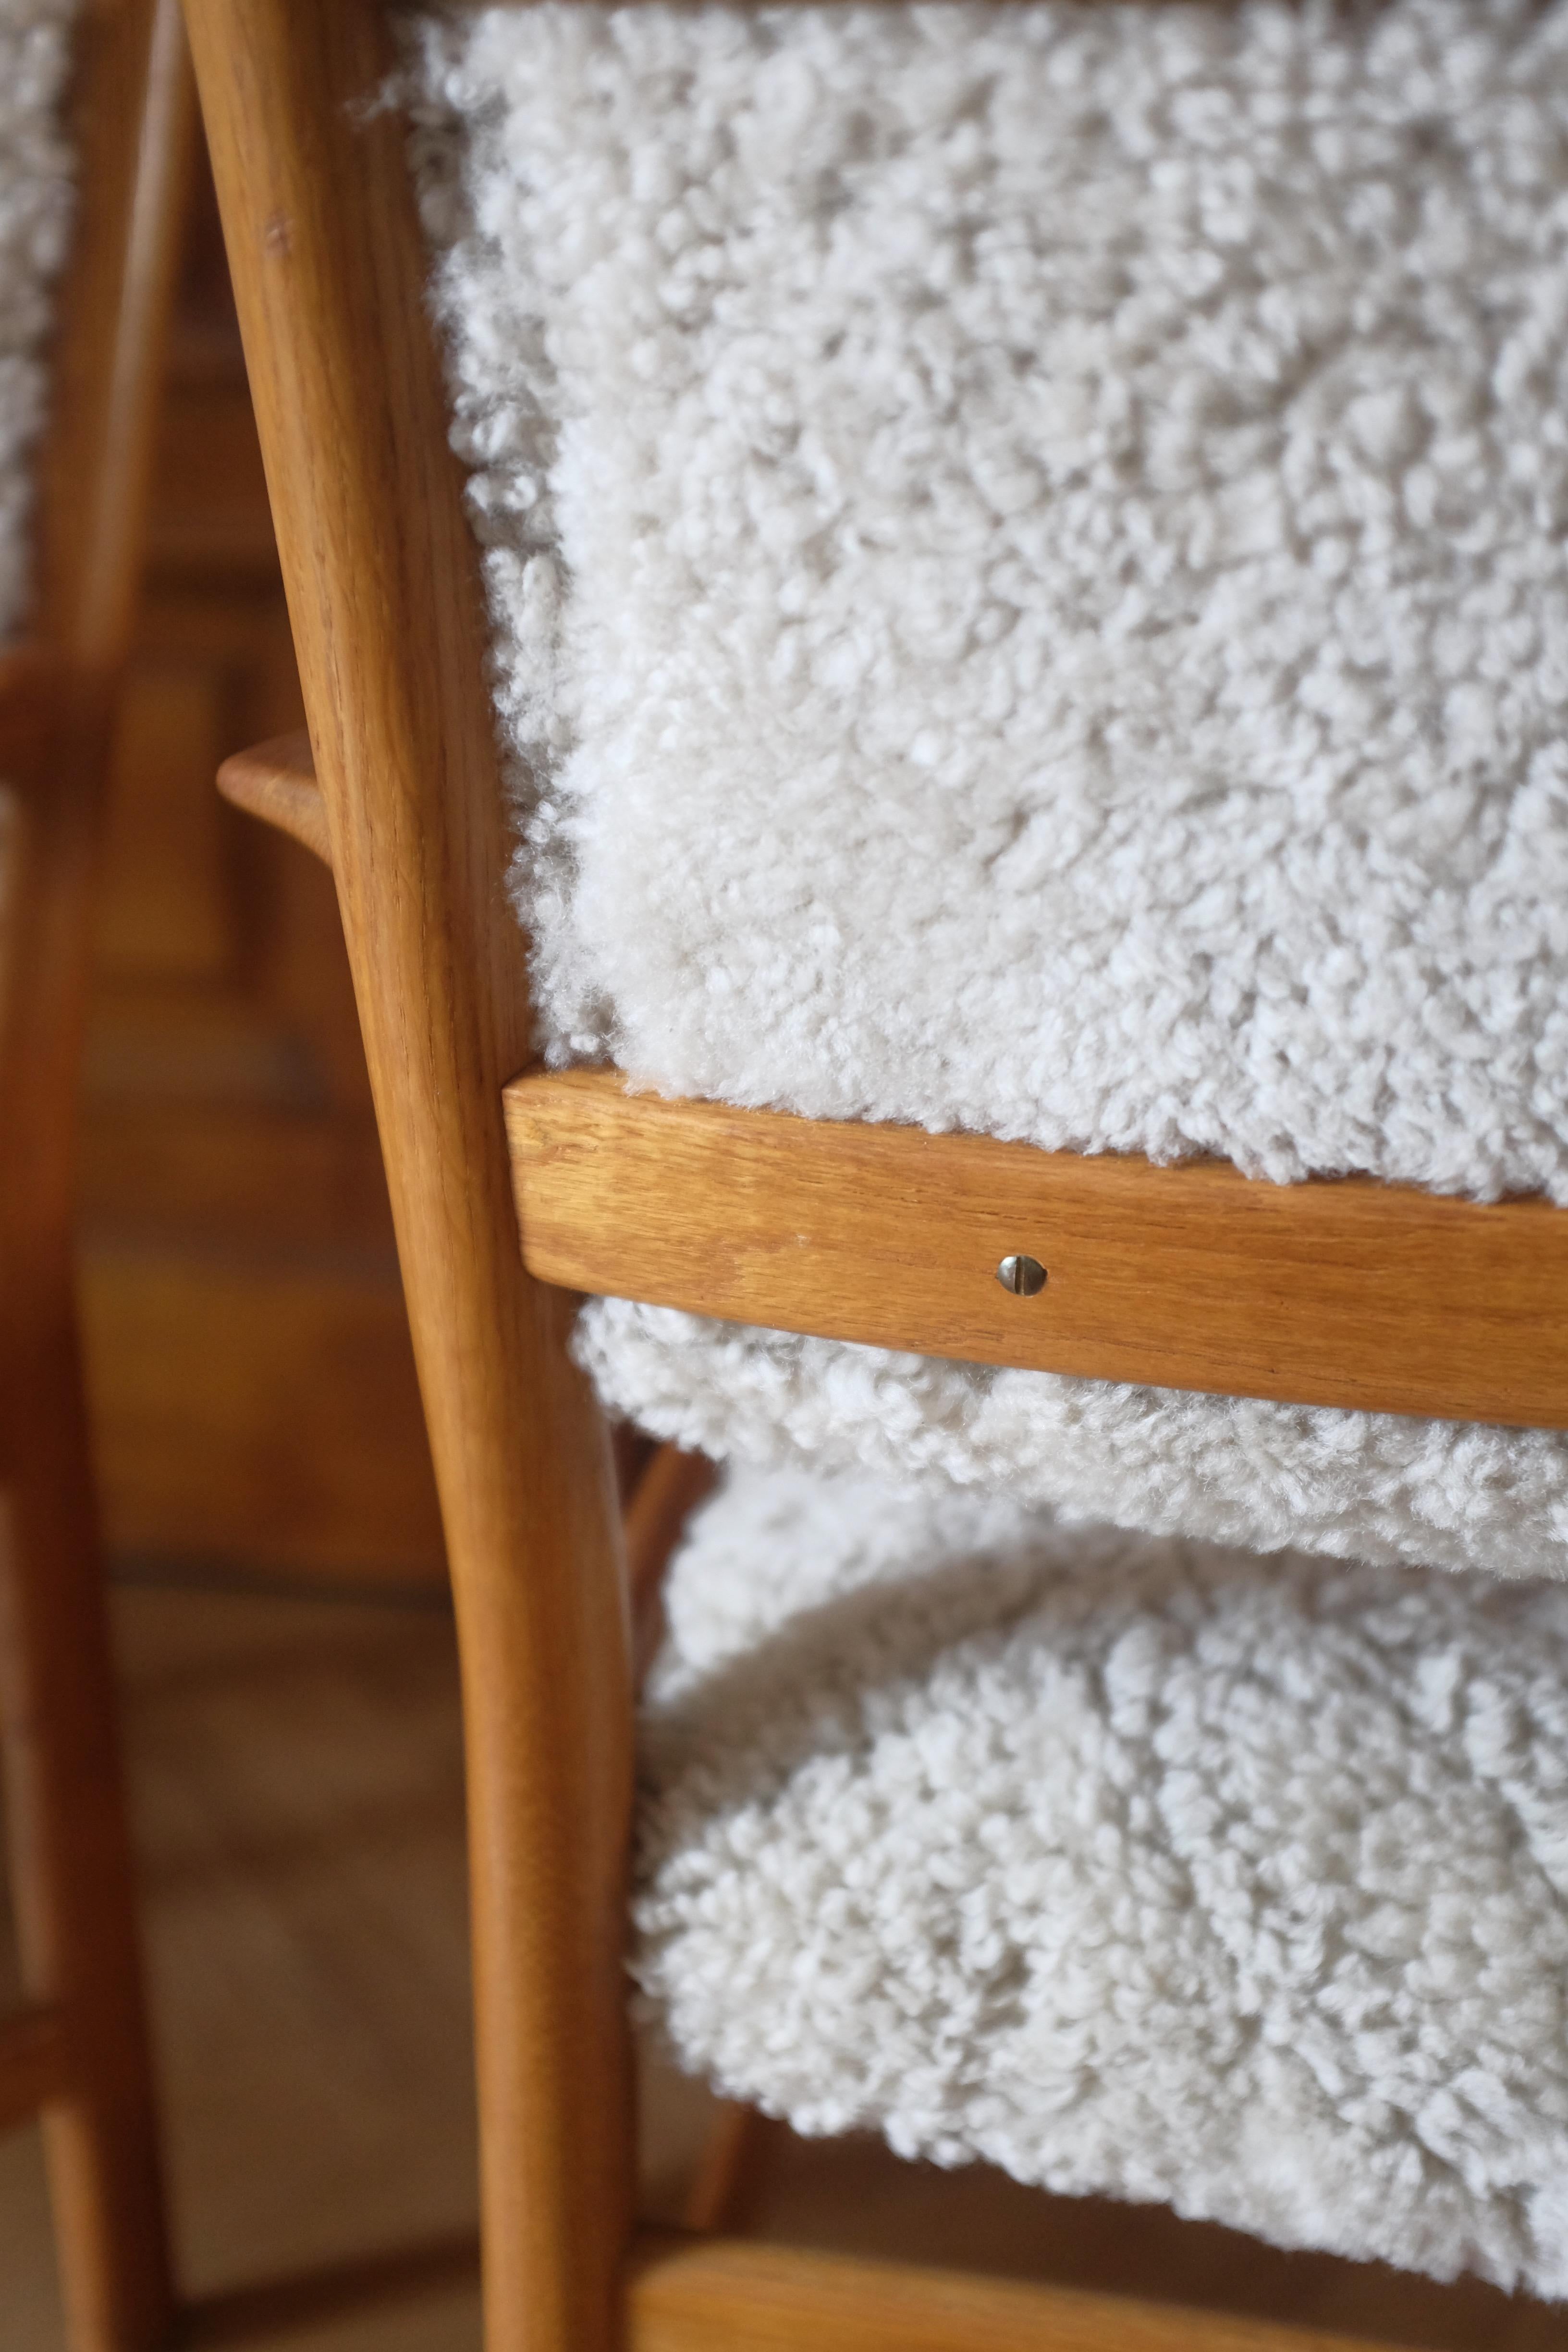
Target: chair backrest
[1332,1292]
[1347,1293]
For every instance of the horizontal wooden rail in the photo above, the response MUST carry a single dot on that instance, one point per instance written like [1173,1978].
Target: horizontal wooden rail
[1347,1293]
[33,2063]
[277,781]
[729,2294]
[1343,1293]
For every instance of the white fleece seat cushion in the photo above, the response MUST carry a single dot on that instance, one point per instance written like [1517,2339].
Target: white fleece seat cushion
[1026,550]
[1135,1866]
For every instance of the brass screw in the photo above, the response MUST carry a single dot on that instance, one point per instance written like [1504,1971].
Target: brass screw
[1022,1276]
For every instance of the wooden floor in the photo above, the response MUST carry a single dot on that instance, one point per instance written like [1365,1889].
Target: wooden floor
[298,1800]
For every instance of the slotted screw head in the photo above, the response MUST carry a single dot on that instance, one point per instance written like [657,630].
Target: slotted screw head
[1023,1275]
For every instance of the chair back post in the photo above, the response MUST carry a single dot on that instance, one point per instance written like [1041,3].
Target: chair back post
[132,120]
[106,369]
[388,620]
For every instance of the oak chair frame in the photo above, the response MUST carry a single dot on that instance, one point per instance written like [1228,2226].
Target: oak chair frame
[78,2052]
[1339,1294]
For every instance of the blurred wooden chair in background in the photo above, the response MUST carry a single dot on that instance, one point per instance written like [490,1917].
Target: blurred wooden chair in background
[78,2053]
[1188,1277]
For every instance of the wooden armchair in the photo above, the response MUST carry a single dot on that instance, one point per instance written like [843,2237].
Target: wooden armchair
[1338,1294]
[78,2053]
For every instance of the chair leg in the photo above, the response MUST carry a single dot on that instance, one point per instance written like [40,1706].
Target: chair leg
[667,1491]
[670,1490]
[728,2171]
[329,269]
[547,1713]
[72,1871]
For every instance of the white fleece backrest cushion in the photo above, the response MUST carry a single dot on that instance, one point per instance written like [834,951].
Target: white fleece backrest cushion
[1052,527]
[1375,1487]
[1134,1867]
[36,192]
[1027,558]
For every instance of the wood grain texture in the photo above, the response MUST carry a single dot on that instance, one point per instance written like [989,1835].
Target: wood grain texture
[388,623]
[72,1872]
[1348,1293]
[277,781]
[717,2295]
[1191,1277]
[229,1153]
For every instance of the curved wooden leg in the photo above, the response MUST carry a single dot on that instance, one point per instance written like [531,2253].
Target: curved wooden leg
[666,1493]
[384,594]
[547,1716]
[71,1859]
[72,1871]
[669,1490]
[70,1849]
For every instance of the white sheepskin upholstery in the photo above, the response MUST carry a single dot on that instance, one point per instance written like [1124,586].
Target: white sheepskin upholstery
[1133,1865]
[1374,1486]
[1026,550]
[36,191]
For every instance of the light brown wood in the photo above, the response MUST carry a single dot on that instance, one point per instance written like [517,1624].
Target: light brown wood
[666,1493]
[729,2174]
[133,123]
[855,2199]
[1345,1293]
[71,1862]
[719,2294]
[33,2063]
[388,622]
[277,781]
[250,1377]
[1190,1277]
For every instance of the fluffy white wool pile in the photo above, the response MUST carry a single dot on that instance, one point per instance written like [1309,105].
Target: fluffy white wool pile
[36,176]
[1132,1865]
[1375,1487]
[1028,564]
[1026,550]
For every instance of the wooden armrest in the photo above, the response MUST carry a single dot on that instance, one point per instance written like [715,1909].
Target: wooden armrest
[277,781]
[1344,1292]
